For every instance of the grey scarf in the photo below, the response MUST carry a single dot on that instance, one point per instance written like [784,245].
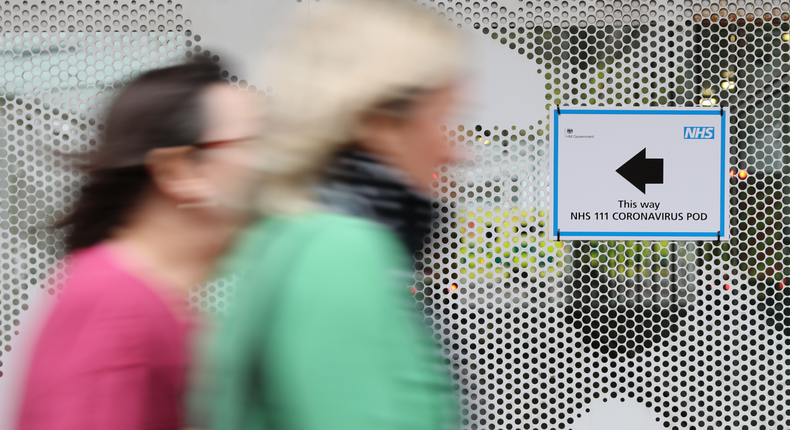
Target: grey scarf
[356,184]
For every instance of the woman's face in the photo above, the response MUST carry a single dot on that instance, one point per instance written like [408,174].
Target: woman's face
[233,123]
[415,144]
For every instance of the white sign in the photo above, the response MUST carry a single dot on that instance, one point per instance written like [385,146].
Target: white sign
[639,173]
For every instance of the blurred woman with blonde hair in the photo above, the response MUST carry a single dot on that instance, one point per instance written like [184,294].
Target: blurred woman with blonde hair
[324,334]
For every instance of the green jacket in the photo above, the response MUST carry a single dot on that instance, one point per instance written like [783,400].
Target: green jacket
[323,333]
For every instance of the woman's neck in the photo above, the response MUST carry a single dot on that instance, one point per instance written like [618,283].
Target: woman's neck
[171,248]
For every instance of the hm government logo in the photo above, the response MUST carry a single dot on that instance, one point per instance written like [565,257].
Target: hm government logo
[698,132]
[570,135]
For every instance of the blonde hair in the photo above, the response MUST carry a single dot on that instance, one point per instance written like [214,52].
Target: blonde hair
[353,56]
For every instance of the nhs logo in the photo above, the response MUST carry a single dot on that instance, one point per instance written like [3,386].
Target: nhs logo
[698,132]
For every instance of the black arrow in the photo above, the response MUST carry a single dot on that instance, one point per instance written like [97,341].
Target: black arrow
[640,170]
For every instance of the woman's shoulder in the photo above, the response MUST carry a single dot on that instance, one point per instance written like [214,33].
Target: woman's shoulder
[311,239]
[104,309]
[321,220]
[322,229]
[89,275]
[96,280]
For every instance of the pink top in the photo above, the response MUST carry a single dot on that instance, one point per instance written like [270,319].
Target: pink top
[112,355]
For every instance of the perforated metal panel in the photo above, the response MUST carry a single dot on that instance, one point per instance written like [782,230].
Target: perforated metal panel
[535,331]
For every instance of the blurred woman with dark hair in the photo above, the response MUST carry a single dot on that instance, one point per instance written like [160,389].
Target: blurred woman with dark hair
[164,197]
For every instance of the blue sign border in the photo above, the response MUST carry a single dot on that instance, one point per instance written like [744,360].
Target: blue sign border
[722,196]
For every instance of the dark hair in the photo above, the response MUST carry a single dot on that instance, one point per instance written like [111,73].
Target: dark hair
[159,109]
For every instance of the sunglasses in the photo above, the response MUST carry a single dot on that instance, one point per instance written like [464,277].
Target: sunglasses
[220,143]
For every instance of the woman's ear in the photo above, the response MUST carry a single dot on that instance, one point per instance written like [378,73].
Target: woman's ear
[174,174]
[378,133]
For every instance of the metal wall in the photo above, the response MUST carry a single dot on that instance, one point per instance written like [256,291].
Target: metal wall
[539,334]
